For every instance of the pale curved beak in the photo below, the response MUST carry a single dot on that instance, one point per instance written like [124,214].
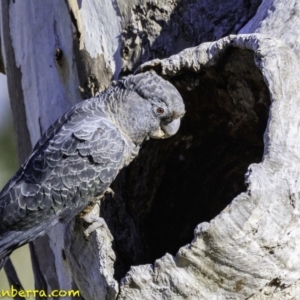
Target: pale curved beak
[166,130]
[171,128]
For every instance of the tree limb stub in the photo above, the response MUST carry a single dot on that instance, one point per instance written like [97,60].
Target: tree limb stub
[254,241]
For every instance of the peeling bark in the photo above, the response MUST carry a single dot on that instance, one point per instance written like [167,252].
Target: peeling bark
[96,46]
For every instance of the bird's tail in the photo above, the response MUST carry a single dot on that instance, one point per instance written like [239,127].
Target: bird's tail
[3,261]
[9,241]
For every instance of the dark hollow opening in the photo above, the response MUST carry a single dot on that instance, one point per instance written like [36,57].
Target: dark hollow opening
[178,183]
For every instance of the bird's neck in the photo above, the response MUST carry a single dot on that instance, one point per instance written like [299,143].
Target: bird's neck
[126,118]
[117,112]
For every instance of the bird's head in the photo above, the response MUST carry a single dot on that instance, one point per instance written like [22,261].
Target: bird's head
[151,107]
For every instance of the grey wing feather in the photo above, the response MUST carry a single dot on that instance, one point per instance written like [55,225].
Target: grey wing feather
[76,159]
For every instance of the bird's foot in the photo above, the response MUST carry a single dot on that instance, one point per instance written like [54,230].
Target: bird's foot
[94,201]
[96,223]
[91,214]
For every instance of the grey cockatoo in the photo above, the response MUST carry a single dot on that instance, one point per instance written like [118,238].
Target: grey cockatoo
[80,155]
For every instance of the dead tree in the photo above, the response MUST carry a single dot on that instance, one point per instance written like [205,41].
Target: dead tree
[212,213]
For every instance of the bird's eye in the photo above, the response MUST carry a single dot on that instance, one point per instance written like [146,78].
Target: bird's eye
[160,110]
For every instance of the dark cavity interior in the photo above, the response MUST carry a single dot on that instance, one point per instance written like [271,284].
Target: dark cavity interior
[177,183]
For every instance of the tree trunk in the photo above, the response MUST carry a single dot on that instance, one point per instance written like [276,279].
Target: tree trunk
[226,236]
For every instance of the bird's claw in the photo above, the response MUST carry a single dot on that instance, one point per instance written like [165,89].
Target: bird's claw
[91,214]
[96,223]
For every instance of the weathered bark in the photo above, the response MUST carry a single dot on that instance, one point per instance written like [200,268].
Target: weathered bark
[156,29]
[248,245]
[241,95]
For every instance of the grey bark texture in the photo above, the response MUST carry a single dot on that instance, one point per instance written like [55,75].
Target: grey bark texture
[183,223]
